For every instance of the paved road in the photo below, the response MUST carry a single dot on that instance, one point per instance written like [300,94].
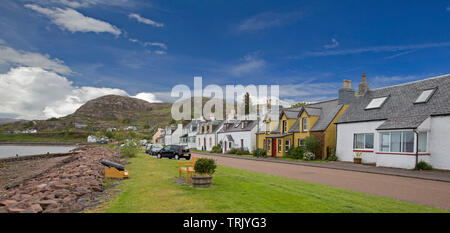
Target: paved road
[425,192]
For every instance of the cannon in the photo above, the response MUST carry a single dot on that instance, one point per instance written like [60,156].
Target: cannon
[114,170]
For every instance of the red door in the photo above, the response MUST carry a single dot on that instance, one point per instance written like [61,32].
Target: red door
[274,148]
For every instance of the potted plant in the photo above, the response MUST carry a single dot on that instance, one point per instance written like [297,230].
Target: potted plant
[204,168]
[358,158]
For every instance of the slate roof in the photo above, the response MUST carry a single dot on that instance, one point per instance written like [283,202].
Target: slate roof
[232,128]
[216,125]
[230,138]
[278,135]
[399,109]
[291,113]
[326,111]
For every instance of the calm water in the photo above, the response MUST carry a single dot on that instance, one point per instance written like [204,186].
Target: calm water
[12,150]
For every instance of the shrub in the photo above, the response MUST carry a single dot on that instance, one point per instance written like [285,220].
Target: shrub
[422,165]
[309,156]
[129,149]
[216,149]
[259,153]
[333,156]
[296,152]
[242,152]
[311,143]
[205,166]
[232,151]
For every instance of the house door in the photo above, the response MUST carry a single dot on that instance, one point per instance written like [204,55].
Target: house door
[274,148]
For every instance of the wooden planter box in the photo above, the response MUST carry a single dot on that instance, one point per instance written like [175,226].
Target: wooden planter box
[357,160]
[201,181]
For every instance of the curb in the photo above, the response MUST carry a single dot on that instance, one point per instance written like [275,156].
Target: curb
[327,167]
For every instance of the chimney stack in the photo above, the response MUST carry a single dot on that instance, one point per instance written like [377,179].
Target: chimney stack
[363,87]
[346,94]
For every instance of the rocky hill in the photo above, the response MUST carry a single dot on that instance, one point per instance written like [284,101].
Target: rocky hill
[105,112]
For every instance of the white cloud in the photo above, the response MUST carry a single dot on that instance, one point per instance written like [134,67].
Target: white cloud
[74,21]
[146,44]
[375,49]
[334,44]
[145,20]
[34,93]
[149,97]
[11,56]
[267,20]
[160,52]
[86,3]
[250,64]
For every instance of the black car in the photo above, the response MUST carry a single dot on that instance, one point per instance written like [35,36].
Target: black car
[174,152]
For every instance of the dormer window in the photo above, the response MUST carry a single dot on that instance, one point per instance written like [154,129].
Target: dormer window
[376,103]
[424,96]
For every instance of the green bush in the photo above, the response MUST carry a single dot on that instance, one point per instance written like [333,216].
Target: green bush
[232,151]
[205,166]
[333,156]
[216,149]
[259,153]
[296,152]
[129,149]
[422,165]
[242,152]
[311,143]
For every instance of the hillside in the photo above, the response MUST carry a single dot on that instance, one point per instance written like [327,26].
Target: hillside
[105,112]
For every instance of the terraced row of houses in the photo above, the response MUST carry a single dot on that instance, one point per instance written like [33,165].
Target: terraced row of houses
[396,126]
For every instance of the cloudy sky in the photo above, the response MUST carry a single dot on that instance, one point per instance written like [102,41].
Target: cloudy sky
[57,54]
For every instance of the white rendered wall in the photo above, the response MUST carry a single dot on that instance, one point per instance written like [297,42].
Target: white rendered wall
[344,144]
[439,142]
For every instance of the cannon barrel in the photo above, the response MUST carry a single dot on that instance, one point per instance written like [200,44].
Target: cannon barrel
[111,164]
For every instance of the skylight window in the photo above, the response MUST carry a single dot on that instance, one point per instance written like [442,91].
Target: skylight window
[376,103]
[425,96]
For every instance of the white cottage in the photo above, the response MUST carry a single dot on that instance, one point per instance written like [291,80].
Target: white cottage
[398,126]
[207,135]
[238,134]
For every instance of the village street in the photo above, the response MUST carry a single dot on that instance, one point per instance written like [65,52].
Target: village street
[420,191]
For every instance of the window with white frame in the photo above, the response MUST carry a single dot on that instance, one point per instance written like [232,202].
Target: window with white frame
[397,141]
[363,141]
[304,124]
[279,145]
[269,142]
[287,145]
[264,143]
[284,126]
[300,142]
[376,103]
[267,126]
[424,96]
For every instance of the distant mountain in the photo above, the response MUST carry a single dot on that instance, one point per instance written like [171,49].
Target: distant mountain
[9,120]
[108,111]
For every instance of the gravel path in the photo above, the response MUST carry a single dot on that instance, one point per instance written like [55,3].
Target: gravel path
[425,192]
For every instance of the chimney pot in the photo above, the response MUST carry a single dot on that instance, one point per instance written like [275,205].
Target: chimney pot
[345,82]
[349,83]
[364,77]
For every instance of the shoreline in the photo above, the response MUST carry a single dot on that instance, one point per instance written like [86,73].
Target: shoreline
[45,143]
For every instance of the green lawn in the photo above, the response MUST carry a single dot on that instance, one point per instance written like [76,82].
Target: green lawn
[151,188]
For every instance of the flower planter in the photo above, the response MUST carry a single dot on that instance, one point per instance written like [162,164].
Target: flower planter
[201,181]
[357,160]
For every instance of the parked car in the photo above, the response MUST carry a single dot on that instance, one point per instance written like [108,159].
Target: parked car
[153,149]
[174,152]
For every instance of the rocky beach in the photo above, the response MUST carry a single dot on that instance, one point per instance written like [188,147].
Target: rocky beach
[61,184]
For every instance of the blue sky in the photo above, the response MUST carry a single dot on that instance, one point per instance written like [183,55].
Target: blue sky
[147,47]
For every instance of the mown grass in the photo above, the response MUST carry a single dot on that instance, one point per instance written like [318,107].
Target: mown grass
[151,188]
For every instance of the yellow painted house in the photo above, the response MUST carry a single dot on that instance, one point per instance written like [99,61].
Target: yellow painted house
[294,125]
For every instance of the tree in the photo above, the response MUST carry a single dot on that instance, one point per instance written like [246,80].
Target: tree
[247,103]
[301,104]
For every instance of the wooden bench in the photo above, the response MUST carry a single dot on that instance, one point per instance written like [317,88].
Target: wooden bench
[187,167]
